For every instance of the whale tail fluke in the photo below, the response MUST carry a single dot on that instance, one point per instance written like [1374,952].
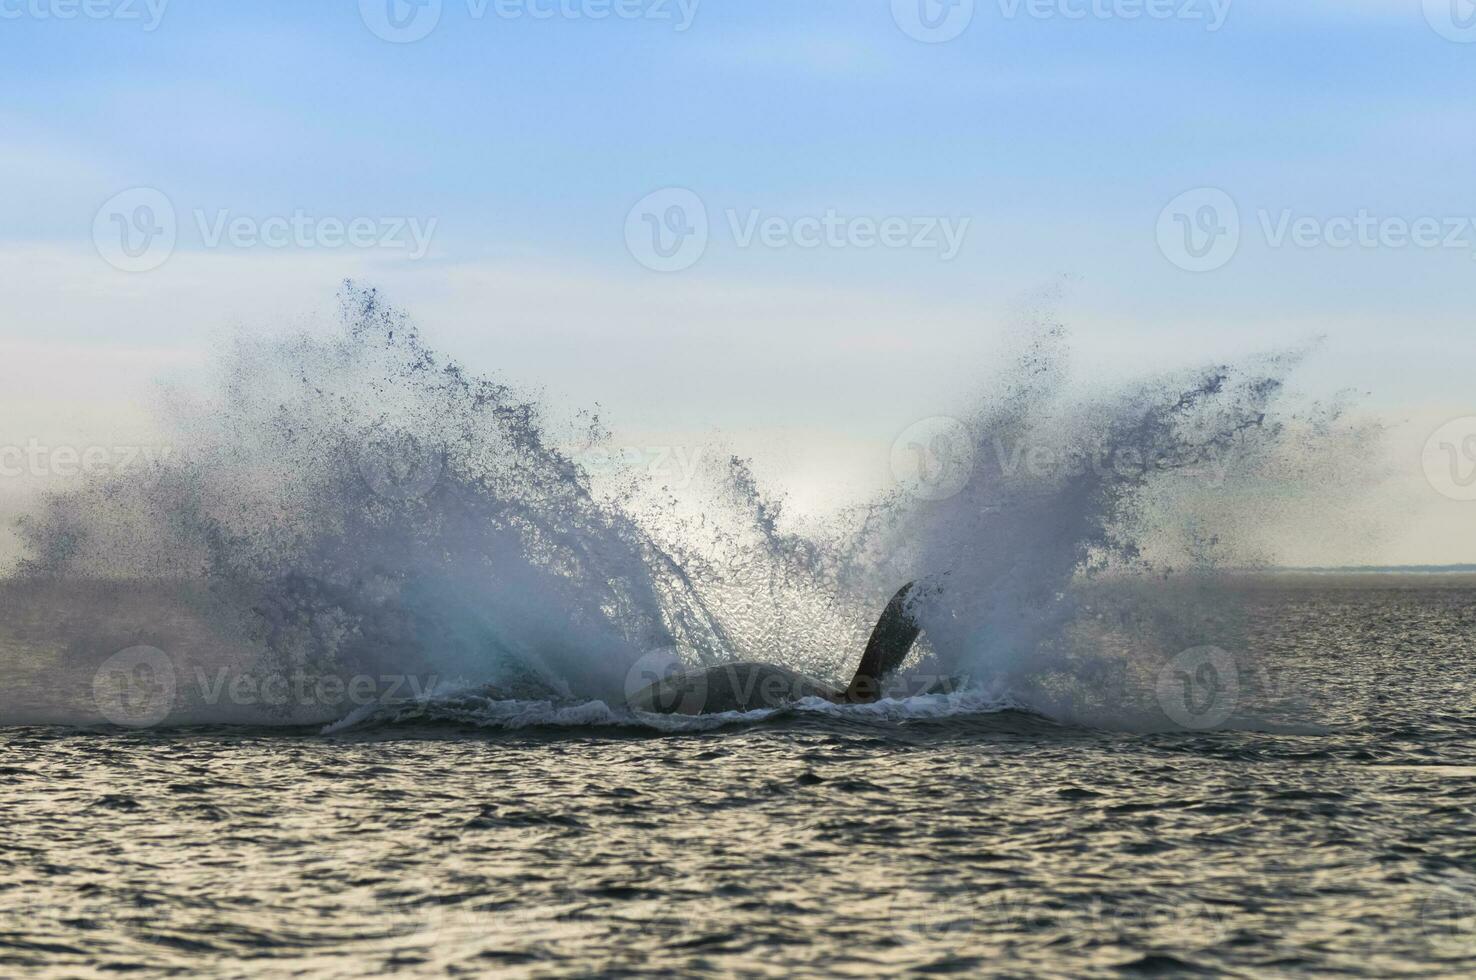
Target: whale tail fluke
[890,641]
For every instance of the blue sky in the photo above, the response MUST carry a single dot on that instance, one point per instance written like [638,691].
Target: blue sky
[528,141]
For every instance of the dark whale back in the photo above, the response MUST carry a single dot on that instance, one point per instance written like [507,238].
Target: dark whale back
[730,687]
[751,686]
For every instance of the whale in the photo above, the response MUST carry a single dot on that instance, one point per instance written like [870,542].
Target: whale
[750,686]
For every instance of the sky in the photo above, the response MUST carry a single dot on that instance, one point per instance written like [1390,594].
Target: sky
[801,226]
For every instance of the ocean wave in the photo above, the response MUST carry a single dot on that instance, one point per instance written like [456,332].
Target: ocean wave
[484,711]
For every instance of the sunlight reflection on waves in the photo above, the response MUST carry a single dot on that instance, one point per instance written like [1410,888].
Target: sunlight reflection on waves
[472,710]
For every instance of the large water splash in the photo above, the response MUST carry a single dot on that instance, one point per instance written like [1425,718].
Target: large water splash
[359,505]
[370,508]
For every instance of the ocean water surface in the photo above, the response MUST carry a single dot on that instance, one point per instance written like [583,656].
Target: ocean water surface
[342,685]
[919,837]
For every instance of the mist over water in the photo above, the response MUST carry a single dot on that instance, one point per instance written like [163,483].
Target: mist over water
[359,505]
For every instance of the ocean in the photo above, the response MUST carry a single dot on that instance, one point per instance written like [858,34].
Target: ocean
[342,684]
[928,835]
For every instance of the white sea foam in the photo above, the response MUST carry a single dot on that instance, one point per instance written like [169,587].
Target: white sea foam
[360,505]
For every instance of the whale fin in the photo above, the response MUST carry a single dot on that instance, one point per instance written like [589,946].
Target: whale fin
[890,640]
